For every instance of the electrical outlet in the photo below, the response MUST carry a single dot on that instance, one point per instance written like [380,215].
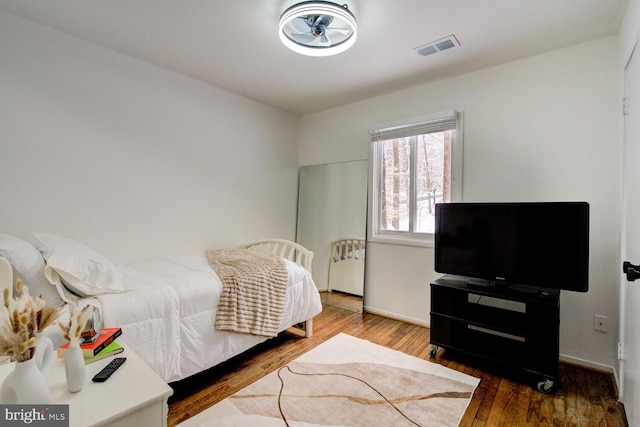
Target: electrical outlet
[600,323]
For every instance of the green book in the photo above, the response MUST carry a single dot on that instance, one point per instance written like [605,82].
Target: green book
[110,350]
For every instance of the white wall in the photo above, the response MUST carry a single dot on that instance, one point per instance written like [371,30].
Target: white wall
[132,159]
[546,128]
[629,30]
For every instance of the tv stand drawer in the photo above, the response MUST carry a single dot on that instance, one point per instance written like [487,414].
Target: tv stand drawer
[537,356]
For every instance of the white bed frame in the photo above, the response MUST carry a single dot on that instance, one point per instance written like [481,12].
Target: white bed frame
[346,266]
[285,249]
[293,252]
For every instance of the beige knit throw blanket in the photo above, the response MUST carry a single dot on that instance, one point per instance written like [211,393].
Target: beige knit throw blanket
[253,291]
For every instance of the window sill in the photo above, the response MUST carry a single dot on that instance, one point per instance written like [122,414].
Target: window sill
[402,241]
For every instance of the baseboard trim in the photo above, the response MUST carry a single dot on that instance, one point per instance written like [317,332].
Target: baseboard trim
[586,364]
[396,317]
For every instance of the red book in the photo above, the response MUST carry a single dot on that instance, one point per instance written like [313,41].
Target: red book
[107,335]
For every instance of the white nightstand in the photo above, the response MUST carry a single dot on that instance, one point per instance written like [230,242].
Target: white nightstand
[133,396]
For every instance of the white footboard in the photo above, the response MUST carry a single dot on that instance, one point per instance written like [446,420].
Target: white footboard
[346,267]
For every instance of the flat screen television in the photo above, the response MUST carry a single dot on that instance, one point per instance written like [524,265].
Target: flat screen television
[542,245]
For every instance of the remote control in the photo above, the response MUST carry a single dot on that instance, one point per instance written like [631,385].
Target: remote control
[106,372]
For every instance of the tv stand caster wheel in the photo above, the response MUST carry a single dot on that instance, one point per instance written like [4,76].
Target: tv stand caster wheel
[546,386]
[433,350]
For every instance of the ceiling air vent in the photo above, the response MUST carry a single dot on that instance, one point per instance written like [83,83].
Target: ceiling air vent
[446,43]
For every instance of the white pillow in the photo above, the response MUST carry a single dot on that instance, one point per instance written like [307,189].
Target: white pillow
[78,268]
[28,265]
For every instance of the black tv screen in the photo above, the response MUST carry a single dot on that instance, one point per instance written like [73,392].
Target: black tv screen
[536,244]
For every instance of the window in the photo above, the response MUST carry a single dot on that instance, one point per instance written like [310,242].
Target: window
[414,166]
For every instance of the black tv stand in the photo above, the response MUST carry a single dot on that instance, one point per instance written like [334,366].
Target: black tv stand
[507,326]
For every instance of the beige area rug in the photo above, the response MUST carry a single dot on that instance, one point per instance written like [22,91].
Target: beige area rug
[347,381]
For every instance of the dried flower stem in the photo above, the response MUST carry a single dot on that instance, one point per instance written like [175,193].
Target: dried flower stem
[77,320]
[19,323]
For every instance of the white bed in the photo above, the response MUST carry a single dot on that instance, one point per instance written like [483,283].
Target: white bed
[167,308]
[346,266]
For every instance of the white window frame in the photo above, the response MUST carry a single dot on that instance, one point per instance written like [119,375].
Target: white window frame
[408,238]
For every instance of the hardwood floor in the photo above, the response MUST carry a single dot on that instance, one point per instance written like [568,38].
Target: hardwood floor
[342,300]
[583,398]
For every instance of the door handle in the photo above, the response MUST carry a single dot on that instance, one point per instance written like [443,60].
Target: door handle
[632,271]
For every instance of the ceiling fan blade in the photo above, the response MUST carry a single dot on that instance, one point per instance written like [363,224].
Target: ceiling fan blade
[324,20]
[303,38]
[301,25]
[325,40]
[343,31]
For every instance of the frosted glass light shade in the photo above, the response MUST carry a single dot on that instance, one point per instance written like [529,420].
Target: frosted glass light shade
[318,28]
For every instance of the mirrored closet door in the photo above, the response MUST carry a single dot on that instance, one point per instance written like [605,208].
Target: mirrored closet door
[332,222]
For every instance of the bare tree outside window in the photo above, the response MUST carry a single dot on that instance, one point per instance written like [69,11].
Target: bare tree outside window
[433,177]
[396,184]
[432,154]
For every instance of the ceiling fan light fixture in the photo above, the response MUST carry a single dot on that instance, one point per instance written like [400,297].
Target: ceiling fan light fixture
[318,28]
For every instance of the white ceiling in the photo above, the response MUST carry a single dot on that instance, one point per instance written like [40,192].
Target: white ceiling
[234,44]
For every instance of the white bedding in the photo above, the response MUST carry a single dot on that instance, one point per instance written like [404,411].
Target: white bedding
[166,308]
[168,316]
